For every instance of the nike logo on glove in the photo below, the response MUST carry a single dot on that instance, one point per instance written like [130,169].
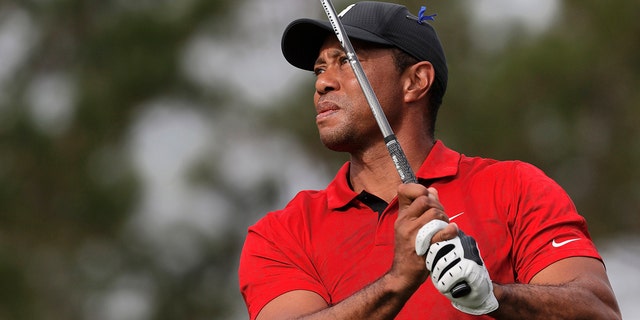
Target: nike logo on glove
[560,244]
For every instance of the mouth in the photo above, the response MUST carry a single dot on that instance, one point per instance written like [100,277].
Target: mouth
[326,109]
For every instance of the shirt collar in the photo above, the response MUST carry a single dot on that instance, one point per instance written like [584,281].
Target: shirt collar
[440,163]
[339,193]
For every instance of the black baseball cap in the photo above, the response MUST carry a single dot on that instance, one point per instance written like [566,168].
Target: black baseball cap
[370,21]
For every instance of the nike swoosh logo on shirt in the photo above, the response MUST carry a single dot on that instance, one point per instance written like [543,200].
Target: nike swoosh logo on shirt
[560,244]
[457,215]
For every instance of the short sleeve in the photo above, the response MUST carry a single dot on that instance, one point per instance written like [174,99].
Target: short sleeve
[545,224]
[268,270]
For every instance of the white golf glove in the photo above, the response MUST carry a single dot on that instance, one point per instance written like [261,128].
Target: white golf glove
[453,263]
[423,238]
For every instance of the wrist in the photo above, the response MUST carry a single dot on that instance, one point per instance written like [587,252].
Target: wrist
[501,293]
[498,291]
[398,285]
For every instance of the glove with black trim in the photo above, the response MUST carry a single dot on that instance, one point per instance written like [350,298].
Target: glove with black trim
[457,261]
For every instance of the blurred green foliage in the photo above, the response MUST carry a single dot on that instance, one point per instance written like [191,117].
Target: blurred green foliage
[566,101]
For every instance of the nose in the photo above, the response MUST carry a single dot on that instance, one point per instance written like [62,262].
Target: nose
[327,81]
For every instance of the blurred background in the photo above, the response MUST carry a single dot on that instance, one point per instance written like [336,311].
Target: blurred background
[140,138]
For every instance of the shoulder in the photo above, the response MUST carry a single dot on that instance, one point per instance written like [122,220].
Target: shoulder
[297,211]
[487,169]
[282,230]
[508,181]
[464,166]
[497,167]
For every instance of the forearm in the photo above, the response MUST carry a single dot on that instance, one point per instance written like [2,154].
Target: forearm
[382,299]
[572,300]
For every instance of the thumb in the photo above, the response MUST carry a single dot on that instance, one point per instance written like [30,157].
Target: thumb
[447,233]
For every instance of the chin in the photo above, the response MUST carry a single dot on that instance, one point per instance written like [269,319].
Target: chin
[339,142]
[334,146]
[334,143]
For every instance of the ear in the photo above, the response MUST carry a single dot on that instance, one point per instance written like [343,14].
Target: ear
[417,80]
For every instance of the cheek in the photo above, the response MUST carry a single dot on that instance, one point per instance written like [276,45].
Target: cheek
[386,82]
[389,92]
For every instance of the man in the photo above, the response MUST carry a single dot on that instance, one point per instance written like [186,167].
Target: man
[365,247]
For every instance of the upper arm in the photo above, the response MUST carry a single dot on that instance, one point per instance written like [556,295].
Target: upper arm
[570,269]
[292,304]
[588,273]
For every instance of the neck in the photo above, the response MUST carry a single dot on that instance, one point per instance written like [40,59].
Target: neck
[374,171]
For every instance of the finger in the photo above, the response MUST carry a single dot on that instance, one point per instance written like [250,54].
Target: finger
[413,200]
[408,192]
[446,272]
[434,199]
[433,192]
[447,233]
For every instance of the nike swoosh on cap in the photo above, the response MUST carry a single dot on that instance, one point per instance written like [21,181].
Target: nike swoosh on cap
[560,244]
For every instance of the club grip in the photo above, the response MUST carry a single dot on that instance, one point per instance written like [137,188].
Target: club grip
[400,160]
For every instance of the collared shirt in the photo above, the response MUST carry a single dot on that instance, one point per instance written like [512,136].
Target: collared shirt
[333,244]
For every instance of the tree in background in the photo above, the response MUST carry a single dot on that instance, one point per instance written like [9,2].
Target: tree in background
[566,101]
[67,184]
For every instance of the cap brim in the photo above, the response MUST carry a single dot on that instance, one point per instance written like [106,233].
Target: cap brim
[303,38]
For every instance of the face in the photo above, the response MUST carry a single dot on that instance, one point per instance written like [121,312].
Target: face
[344,119]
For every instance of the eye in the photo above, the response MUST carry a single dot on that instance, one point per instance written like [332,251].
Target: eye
[318,70]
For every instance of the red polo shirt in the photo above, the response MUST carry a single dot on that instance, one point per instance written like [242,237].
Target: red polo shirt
[331,243]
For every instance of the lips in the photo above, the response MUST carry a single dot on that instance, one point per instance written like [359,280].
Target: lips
[325,109]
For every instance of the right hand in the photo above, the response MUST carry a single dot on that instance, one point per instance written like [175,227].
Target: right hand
[418,205]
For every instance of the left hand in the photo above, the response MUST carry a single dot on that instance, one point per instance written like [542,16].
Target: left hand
[454,261]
